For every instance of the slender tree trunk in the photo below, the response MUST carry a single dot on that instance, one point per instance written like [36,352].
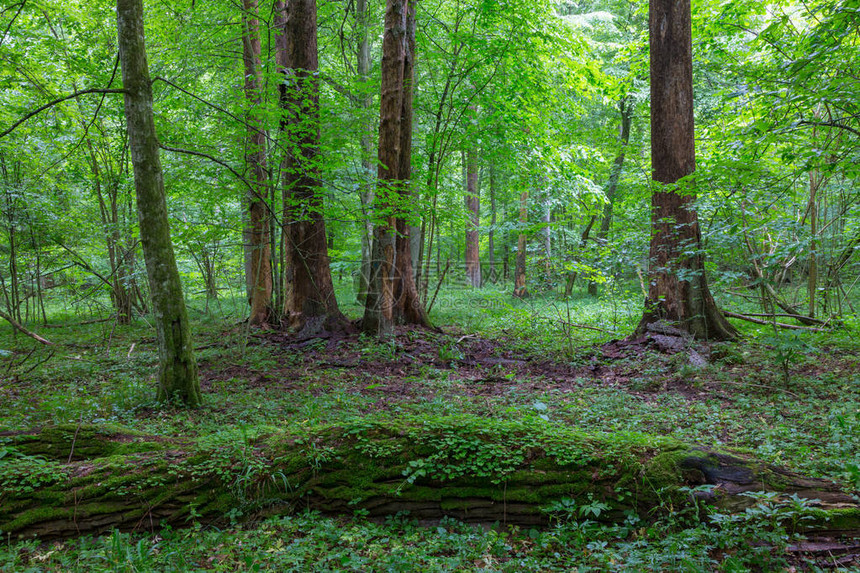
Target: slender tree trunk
[678,290]
[491,234]
[812,282]
[473,212]
[625,106]
[547,237]
[177,377]
[120,295]
[520,289]
[366,143]
[309,301]
[257,241]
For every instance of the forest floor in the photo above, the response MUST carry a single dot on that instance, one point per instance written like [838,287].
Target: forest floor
[786,399]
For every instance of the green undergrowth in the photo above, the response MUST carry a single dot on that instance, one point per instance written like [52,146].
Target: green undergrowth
[752,541]
[791,399]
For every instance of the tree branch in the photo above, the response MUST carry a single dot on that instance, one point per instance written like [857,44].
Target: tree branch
[777,324]
[59,100]
[831,124]
[20,328]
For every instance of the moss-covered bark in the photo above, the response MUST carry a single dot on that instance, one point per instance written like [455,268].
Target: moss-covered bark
[472,469]
[177,367]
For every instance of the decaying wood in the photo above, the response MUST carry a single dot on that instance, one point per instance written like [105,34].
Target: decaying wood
[83,479]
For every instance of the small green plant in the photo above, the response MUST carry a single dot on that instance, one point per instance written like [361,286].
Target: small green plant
[450,352]
[787,348]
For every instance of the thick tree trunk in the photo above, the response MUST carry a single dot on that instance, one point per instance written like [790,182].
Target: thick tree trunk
[408,307]
[520,289]
[256,236]
[678,290]
[392,296]
[378,312]
[177,376]
[73,480]
[473,212]
[309,301]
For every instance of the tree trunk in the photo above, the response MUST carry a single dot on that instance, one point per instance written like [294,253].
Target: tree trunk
[366,144]
[547,237]
[408,307]
[491,234]
[473,212]
[75,480]
[256,235]
[393,296]
[378,312]
[309,301]
[177,376]
[625,106]
[678,291]
[520,290]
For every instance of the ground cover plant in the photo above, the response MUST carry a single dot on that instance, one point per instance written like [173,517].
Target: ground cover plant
[256,383]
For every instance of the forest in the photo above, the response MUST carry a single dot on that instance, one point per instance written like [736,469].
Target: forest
[449,285]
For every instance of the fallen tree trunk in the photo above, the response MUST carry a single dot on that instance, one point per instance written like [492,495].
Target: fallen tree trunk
[71,480]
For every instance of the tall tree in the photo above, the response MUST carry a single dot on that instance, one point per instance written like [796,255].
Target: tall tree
[520,290]
[408,308]
[258,269]
[177,376]
[392,296]
[678,290]
[363,62]
[473,214]
[625,106]
[309,300]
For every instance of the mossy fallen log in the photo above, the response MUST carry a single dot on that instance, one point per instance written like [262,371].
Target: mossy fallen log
[71,480]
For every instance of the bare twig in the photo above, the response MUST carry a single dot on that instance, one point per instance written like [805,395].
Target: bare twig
[439,285]
[75,438]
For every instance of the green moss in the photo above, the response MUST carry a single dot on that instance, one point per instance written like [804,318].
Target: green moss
[86,441]
[35,516]
[840,519]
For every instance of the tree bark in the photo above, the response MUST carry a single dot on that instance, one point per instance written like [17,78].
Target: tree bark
[378,312]
[520,290]
[625,106]
[367,175]
[392,296]
[74,480]
[678,291]
[257,240]
[491,234]
[309,301]
[473,222]
[177,376]
[408,307]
